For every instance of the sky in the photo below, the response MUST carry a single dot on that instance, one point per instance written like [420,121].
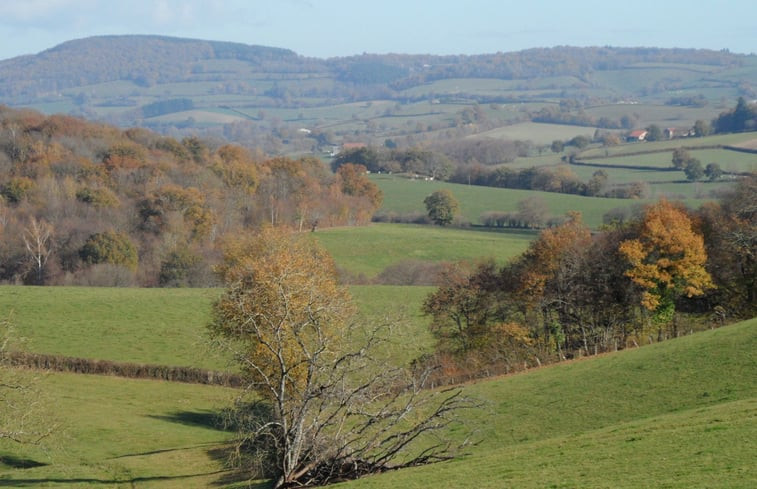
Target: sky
[330,28]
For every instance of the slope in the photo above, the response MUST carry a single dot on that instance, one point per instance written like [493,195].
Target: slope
[675,414]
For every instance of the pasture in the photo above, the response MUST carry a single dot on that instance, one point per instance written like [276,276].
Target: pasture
[684,410]
[155,326]
[117,433]
[538,133]
[368,250]
[403,196]
[669,145]
[678,414]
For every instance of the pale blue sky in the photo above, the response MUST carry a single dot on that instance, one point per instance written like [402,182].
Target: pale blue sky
[326,28]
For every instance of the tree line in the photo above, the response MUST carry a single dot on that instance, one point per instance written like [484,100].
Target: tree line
[574,292]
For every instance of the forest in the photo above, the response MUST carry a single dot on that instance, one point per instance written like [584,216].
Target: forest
[89,204]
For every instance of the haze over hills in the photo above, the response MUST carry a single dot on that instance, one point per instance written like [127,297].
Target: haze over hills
[281,102]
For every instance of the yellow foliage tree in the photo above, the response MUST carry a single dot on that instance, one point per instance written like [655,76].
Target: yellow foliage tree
[284,304]
[322,408]
[667,259]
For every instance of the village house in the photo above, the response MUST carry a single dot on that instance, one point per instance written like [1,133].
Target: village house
[639,135]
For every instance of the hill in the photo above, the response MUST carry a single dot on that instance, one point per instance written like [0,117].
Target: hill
[276,100]
[675,414]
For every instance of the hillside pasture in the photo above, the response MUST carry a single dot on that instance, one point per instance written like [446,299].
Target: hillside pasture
[662,115]
[151,326]
[156,326]
[368,250]
[730,161]
[404,196]
[677,414]
[538,133]
[668,145]
[684,410]
[117,433]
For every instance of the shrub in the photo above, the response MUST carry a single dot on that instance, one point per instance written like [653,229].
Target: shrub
[110,247]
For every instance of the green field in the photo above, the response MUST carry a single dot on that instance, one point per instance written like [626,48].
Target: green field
[154,326]
[403,196]
[538,133]
[368,250]
[669,144]
[118,433]
[681,413]
[677,414]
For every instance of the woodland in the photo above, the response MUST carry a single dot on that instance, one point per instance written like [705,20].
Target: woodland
[90,204]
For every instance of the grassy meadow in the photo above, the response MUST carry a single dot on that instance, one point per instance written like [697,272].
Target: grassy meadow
[404,196]
[118,433]
[682,413]
[156,326]
[368,250]
[675,414]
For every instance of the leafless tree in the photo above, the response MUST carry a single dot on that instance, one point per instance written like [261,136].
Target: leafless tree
[38,241]
[21,401]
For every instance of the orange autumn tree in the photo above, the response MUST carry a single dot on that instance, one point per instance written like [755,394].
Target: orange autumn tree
[667,259]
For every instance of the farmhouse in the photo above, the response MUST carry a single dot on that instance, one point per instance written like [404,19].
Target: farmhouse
[639,135]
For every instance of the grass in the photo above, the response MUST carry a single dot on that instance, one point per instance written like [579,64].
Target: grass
[155,326]
[403,196]
[670,144]
[123,433]
[538,133]
[368,250]
[675,414]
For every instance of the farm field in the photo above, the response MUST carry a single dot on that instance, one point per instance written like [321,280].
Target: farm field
[403,196]
[670,408]
[683,409]
[671,144]
[730,161]
[154,326]
[538,133]
[368,250]
[118,433]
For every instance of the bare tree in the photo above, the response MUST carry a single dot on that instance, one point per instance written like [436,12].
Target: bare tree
[38,240]
[21,401]
[320,404]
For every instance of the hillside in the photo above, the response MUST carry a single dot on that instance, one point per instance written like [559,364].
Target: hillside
[675,414]
[281,102]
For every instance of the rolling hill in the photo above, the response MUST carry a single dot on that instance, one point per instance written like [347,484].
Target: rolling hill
[675,414]
[255,93]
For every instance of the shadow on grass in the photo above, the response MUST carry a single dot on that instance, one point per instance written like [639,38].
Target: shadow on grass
[202,419]
[67,482]
[15,462]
